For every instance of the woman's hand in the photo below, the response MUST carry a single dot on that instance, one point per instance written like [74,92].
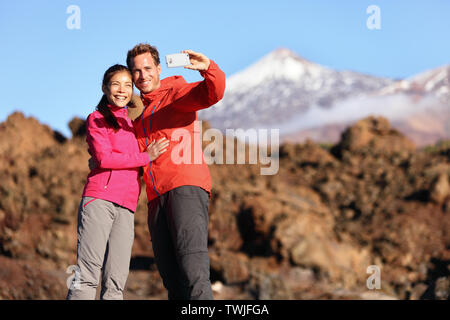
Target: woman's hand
[156,148]
[198,60]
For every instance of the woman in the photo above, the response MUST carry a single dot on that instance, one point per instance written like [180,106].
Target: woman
[106,213]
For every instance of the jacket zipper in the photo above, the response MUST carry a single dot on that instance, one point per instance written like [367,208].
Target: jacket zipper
[146,143]
[109,178]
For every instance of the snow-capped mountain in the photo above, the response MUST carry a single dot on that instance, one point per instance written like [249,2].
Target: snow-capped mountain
[280,85]
[418,106]
[306,100]
[435,82]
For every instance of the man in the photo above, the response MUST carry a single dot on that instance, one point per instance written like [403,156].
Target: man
[178,192]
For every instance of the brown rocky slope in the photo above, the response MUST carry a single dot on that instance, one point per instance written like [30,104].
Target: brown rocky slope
[308,232]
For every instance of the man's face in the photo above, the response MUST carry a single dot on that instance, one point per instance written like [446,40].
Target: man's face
[146,73]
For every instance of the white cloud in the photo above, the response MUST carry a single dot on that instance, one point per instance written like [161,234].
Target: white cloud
[393,107]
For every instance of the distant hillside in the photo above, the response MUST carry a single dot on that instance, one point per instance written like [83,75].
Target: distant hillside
[309,232]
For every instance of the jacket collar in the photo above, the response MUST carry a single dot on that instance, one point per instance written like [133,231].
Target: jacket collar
[117,110]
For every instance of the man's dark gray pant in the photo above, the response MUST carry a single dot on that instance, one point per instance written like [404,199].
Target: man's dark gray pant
[178,224]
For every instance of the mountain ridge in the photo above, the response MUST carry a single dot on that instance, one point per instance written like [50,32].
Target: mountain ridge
[285,91]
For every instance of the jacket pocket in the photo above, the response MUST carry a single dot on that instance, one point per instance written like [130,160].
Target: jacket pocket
[187,191]
[88,201]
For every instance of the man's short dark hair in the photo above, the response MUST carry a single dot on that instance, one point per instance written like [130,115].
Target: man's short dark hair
[140,49]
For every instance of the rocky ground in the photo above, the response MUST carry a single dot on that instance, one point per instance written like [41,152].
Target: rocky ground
[309,232]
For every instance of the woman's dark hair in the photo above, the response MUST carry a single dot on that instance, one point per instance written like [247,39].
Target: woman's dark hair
[102,106]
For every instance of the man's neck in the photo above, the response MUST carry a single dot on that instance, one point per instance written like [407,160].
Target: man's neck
[157,87]
[153,90]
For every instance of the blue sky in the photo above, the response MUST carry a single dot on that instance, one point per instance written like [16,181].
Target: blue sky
[53,73]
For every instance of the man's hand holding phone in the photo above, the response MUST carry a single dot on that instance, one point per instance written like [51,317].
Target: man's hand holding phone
[198,60]
[189,60]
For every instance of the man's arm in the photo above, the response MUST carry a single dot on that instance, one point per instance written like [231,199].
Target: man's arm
[203,94]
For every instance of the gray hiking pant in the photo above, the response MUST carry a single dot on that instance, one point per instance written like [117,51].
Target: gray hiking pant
[105,239]
[178,224]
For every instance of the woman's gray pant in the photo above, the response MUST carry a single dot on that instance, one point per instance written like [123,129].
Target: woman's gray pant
[178,223]
[105,239]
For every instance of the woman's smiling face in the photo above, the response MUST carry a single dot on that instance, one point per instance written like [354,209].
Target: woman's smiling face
[119,89]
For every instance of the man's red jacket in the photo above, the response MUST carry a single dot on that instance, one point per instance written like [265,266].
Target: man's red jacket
[171,112]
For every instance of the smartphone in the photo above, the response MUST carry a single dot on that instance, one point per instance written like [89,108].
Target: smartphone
[177,60]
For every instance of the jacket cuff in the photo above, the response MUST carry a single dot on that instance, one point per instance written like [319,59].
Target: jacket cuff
[145,158]
[212,66]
